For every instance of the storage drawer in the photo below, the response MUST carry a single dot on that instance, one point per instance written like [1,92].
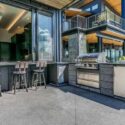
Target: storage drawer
[88,83]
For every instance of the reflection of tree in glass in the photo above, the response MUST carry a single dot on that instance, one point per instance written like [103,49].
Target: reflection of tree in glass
[45,43]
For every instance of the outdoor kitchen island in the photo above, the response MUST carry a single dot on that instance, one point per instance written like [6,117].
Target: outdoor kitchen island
[104,78]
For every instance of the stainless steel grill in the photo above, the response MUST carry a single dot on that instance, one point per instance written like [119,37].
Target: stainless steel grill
[90,61]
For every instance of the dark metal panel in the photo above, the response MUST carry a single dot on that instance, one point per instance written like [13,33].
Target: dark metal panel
[123,9]
[124,48]
[109,36]
[34,33]
[100,44]
[90,5]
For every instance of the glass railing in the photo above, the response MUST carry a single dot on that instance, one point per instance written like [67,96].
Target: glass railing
[115,20]
[75,22]
[103,18]
[97,20]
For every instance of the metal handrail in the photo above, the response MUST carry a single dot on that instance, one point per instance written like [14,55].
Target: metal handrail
[75,22]
[96,20]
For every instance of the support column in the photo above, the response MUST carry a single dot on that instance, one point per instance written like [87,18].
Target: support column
[100,44]
[124,48]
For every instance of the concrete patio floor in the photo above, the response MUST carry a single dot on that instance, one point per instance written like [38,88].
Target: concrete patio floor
[60,106]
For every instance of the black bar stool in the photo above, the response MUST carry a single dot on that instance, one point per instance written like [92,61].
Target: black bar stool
[39,74]
[20,75]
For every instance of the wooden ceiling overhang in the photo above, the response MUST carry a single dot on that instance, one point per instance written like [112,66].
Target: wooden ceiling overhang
[92,38]
[71,13]
[115,4]
[113,33]
[112,42]
[58,4]
[83,3]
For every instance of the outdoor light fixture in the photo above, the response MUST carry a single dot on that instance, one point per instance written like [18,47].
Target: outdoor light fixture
[75,9]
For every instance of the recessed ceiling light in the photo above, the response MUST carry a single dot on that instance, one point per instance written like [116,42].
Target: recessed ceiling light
[18,27]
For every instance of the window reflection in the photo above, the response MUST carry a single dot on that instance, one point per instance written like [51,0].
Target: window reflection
[15,33]
[45,37]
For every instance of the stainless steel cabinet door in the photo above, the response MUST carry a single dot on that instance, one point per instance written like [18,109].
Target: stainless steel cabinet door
[119,81]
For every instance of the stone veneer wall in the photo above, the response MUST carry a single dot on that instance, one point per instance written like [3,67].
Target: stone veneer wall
[82,43]
[73,47]
[72,74]
[77,46]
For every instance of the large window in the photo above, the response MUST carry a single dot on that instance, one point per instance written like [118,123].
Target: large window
[15,33]
[45,46]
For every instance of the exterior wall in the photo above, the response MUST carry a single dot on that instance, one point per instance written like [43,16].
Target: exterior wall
[82,44]
[73,47]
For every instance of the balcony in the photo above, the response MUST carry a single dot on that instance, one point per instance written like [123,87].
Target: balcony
[75,22]
[95,21]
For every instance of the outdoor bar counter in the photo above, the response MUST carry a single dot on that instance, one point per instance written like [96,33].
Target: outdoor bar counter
[6,74]
[53,73]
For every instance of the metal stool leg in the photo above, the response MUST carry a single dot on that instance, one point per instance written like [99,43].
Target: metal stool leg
[44,79]
[25,82]
[15,83]
[33,79]
[37,80]
[40,79]
[22,85]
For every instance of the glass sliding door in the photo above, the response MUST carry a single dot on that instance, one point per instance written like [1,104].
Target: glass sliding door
[45,41]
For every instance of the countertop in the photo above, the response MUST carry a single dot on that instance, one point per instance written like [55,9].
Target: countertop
[57,63]
[31,63]
[114,64]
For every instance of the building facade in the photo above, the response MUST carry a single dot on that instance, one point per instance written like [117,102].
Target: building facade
[98,24]
[60,31]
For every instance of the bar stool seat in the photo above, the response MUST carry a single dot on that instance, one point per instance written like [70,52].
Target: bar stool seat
[19,72]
